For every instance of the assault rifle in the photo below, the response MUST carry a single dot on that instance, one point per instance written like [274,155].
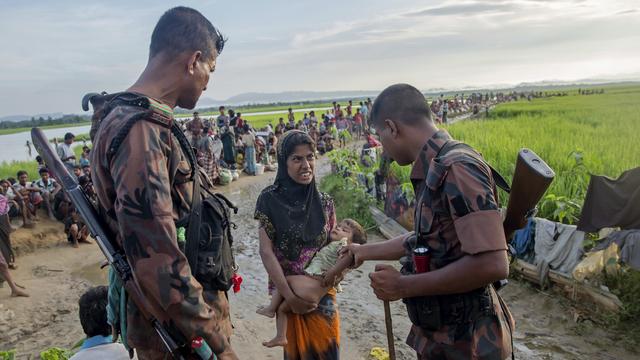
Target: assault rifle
[112,251]
[531,179]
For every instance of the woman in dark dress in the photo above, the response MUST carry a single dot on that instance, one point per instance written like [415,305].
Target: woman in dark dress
[295,220]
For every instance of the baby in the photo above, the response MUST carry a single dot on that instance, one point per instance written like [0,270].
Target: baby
[321,274]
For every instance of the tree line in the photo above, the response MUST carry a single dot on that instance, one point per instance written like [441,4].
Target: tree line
[41,121]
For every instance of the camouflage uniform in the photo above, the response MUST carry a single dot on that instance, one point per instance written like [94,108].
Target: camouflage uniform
[147,187]
[461,219]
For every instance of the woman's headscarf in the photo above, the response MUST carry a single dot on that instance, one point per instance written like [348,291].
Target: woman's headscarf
[294,210]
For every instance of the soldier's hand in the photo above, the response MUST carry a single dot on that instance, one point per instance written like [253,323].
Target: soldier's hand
[353,251]
[385,283]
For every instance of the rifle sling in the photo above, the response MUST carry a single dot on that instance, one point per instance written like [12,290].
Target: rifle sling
[421,236]
[194,218]
[193,229]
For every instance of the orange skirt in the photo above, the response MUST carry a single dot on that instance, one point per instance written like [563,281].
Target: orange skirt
[316,335]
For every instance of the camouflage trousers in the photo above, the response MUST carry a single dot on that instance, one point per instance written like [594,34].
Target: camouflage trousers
[483,339]
[487,337]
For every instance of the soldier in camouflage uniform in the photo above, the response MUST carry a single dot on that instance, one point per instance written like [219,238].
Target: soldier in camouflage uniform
[457,213]
[146,187]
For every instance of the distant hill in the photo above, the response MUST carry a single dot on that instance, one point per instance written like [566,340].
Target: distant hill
[254,98]
[284,97]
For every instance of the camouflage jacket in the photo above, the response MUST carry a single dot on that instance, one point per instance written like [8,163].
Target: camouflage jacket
[145,187]
[460,218]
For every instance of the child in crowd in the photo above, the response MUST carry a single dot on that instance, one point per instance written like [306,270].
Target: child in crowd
[77,171]
[84,157]
[322,273]
[76,230]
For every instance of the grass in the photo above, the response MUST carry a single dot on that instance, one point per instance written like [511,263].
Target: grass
[284,107]
[260,121]
[576,135]
[10,169]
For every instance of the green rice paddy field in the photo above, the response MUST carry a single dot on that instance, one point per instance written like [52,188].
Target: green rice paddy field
[576,135]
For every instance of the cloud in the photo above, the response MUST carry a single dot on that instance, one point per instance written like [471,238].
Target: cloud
[626,12]
[461,9]
[57,51]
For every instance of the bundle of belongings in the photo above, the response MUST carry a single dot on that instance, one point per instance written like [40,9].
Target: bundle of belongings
[611,207]
[550,246]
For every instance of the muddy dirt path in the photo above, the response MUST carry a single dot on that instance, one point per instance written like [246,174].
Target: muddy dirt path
[57,275]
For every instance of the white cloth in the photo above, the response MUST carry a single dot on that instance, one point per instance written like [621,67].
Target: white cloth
[113,351]
[557,247]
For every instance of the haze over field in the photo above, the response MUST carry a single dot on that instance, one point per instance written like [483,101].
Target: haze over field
[54,52]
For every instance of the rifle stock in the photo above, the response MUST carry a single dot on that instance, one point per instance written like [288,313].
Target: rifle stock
[531,179]
[114,254]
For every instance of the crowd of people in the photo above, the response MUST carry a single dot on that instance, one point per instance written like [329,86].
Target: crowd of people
[22,197]
[228,143]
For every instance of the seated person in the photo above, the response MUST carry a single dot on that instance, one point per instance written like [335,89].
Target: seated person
[14,202]
[77,171]
[328,143]
[76,230]
[61,206]
[321,145]
[87,186]
[86,171]
[48,190]
[29,193]
[99,344]
[322,272]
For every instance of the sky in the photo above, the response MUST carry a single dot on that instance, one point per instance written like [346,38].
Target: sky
[53,52]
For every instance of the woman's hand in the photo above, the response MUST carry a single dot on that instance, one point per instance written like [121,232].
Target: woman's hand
[332,278]
[353,251]
[299,305]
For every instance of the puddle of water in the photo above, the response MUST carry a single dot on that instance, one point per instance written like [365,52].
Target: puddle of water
[93,274]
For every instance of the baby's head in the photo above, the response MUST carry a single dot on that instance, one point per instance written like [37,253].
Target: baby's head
[350,229]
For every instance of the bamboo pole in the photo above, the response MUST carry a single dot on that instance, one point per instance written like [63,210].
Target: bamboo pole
[389,324]
[602,298]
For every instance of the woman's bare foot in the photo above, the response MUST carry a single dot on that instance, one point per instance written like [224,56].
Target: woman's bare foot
[276,341]
[19,293]
[265,311]
[85,241]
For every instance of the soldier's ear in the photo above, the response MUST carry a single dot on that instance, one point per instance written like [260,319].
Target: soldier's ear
[192,61]
[392,127]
